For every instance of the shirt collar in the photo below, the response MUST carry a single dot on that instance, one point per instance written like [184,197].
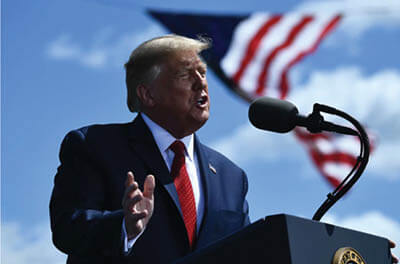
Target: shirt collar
[164,139]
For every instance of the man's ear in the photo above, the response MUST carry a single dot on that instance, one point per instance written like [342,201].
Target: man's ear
[145,95]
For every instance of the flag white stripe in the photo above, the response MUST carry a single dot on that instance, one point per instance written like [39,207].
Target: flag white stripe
[275,37]
[303,42]
[336,170]
[244,33]
[348,145]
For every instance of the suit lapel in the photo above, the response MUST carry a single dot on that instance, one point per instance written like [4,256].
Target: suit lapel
[142,141]
[210,184]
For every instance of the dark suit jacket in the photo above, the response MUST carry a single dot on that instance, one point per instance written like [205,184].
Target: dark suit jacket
[85,207]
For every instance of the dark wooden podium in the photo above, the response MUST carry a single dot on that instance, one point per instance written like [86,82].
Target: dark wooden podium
[286,239]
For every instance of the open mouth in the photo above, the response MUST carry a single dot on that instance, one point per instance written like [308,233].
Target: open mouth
[202,101]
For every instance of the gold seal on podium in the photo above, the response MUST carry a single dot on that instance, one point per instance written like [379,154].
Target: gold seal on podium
[347,255]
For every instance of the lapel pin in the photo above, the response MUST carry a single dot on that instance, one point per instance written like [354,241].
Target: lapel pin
[212,169]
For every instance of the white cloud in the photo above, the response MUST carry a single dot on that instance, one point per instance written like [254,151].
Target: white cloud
[248,143]
[373,222]
[63,47]
[95,58]
[20,245]
[359,15]
[105,50]
[373,100]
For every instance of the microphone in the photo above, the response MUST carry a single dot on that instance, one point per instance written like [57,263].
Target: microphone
[281,116]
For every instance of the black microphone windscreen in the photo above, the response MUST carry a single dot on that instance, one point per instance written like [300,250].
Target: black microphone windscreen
[273,114]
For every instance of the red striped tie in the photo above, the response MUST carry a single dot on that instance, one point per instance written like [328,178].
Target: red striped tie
[184,189]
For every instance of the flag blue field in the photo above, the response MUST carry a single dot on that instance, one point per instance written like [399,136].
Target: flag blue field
[62,68]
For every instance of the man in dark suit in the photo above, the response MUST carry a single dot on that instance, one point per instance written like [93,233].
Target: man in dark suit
[148,191]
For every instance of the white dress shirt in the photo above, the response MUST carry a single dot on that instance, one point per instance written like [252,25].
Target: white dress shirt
[163,140]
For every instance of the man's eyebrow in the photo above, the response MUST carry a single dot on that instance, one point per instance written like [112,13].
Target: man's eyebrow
[190,66]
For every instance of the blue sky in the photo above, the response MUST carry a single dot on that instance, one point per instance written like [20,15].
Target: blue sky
[62,68]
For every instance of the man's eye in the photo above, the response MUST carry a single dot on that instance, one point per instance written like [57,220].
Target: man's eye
[183,74]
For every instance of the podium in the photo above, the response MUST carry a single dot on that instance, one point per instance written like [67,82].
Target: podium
[287,239]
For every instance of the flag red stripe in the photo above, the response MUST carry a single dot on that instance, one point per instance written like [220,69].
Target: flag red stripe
[284,85]
[331,179]
[254,44]
[319,160]
[339,157]
[263,77]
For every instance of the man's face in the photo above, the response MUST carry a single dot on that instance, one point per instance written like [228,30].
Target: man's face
[180,92]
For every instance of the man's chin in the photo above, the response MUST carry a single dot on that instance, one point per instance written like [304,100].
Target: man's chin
[200,120]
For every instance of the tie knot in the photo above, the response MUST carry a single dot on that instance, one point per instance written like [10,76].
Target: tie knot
[178,147]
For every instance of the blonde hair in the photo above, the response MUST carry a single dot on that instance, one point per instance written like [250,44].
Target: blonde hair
[144,62]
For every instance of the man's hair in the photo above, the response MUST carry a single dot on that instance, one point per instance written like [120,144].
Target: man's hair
[144,64]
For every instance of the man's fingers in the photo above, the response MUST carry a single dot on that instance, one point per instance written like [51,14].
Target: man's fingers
[130,179]
[392,244]
[129,192]
[149,185]
[137,216]
[131,202]
[395,259]
[130,186]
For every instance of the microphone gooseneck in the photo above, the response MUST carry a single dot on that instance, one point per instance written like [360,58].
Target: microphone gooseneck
[282,116]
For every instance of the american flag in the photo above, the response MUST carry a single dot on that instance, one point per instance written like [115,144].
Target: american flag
[253,54]
[265,47]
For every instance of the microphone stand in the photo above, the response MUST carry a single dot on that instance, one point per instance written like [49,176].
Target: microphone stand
[358,168]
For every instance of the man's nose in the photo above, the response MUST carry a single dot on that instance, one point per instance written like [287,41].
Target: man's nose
[200,80]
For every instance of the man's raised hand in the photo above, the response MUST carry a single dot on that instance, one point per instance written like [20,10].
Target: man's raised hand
[138,206]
